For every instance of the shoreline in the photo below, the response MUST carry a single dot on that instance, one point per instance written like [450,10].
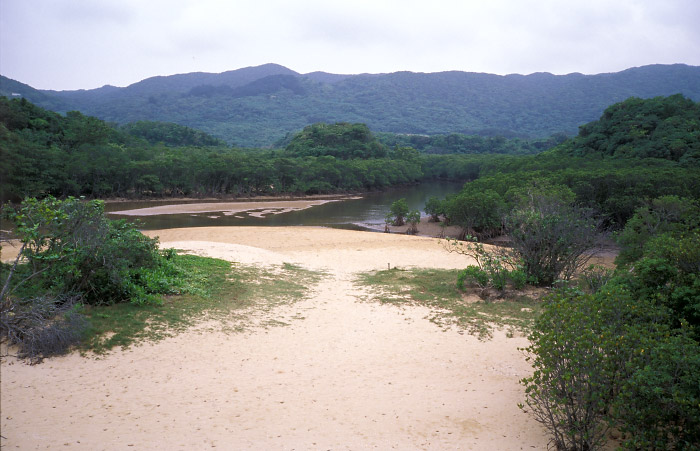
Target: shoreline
[256,198]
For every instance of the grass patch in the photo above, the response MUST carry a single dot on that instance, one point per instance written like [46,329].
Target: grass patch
[437,289]
[231,294]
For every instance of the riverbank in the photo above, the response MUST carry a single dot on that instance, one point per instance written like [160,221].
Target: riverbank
[262,208]
[257,198]
[343,373]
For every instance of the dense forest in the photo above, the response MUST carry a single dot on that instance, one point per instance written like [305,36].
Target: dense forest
[52,154]
[639,149]
[259,106]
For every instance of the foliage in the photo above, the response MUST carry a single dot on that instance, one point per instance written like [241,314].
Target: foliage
[42,162]
[434,207]
[75,256]
[495,268]
[553,239]
[610,359]
[398,212]
[457,143]
[341,140]
[662,127]
[472,275]
[626,355]
[73,249]
[666,214]
[413,218]
[46,153]
[479,213]
[170,134]
[594,278]
[570,390]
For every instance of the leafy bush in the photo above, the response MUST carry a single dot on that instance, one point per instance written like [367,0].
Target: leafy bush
[413,218]
[478,212]
[570,388]
[74,249]
[398,212]
[593,278]
[666,214]
[518,278]
[473,275]
[552,238]
[75,256]
[494,269]
[627,355]
[434,207]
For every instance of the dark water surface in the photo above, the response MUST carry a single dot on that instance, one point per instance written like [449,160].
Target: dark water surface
[357,214]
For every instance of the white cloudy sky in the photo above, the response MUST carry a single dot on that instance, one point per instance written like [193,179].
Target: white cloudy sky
[73,44]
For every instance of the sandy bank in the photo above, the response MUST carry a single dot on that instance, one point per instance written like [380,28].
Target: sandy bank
[344,374]
[228,208]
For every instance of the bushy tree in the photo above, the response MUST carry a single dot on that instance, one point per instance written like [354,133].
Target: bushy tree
[74,255]
[340,140]
[666,214]
[478,213]
[553,238]
[413,219]
[398,212]
[626,356]
[434,207]
[497,268]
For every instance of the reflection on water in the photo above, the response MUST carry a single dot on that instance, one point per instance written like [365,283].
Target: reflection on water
[352,214]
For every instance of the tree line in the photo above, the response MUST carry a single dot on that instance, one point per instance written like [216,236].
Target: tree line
[76,155]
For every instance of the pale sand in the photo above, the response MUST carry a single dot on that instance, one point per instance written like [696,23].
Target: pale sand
[344,374]
[228,208]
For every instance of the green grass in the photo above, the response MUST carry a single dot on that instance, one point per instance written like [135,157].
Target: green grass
[231,295]
[437,289]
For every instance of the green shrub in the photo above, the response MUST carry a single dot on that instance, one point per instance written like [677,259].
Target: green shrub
[614,359]
[398,212]
[75,255]
[72,248]
[593,278]
[551,237]
[434,207]
[472,275]
[518,278]
[413,219]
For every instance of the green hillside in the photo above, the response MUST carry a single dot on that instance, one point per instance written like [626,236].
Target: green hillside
[259,106]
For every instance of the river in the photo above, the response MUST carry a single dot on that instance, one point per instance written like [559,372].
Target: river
[359,214]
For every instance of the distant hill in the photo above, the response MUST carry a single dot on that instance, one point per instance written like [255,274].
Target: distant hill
[259,106]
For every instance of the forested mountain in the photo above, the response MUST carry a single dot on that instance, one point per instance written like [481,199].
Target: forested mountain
[258,106]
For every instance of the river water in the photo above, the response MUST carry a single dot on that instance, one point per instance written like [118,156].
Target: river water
[358,214]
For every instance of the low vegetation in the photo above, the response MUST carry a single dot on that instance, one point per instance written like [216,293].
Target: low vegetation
[625,353]
[437,289]
[83,280]
[232,298]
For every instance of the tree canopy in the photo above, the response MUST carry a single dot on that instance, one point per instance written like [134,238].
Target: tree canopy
[340,140]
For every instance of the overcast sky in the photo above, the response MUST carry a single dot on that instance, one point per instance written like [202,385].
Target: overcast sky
[83,44]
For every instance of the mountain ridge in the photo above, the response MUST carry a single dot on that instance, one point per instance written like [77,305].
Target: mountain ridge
[259,105]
